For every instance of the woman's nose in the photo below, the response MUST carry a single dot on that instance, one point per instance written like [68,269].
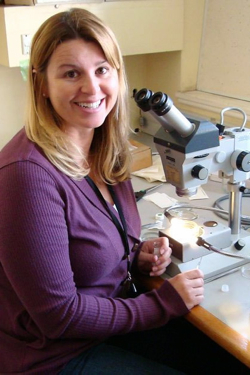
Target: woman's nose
[90,85]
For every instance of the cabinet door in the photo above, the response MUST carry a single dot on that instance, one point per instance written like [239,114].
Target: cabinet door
[141,26]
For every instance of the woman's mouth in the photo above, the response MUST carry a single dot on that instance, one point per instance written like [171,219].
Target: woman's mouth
[92,105]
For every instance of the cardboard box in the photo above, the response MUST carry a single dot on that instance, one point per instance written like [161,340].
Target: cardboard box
[141,155]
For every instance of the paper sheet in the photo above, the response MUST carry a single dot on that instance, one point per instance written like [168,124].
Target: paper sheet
[201,194]
[160,199]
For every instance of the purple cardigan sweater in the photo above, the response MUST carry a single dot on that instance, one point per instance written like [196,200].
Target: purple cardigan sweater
[61,266]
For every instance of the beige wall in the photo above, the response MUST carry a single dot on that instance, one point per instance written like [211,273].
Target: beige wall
[159,72]
[12,102]
[169,72]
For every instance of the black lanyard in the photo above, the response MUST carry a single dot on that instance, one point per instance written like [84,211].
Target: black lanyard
[121,229]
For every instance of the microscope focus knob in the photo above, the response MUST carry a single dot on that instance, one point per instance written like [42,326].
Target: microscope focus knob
[199,172]
[241,160]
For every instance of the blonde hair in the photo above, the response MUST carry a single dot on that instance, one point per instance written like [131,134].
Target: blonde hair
[110,157]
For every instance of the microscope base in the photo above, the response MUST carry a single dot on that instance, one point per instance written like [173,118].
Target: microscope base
[219,236]
[213,265]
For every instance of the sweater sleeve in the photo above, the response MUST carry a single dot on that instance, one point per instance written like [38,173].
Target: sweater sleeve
[34,253]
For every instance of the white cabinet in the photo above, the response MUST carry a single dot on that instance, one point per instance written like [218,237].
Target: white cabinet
[48,2]
[141,26]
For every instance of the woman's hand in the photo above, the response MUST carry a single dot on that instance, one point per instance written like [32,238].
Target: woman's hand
[154,256]
[190,286]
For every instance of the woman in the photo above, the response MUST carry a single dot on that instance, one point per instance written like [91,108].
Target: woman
[69,223]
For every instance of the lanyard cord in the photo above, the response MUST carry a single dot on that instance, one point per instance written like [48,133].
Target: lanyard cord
[122,230]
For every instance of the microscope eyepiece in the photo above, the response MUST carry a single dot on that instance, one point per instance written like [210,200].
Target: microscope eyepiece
[161,107]
[142,98]
[160,103]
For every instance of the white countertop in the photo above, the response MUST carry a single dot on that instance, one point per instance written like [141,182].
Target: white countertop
[231,307]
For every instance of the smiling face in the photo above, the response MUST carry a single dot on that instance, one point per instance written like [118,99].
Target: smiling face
[81,85]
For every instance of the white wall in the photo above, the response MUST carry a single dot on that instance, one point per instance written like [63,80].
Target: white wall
[12,102]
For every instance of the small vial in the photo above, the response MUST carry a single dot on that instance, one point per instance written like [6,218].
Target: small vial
[157,248]
[159,217]
[199,263]
[225,288]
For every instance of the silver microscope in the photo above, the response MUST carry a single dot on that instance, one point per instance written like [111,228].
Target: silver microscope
[190,151]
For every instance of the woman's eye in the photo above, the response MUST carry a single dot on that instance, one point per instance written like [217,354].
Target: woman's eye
[102,70]
[71,74]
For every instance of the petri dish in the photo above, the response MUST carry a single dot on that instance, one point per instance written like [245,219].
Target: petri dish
[183,213]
